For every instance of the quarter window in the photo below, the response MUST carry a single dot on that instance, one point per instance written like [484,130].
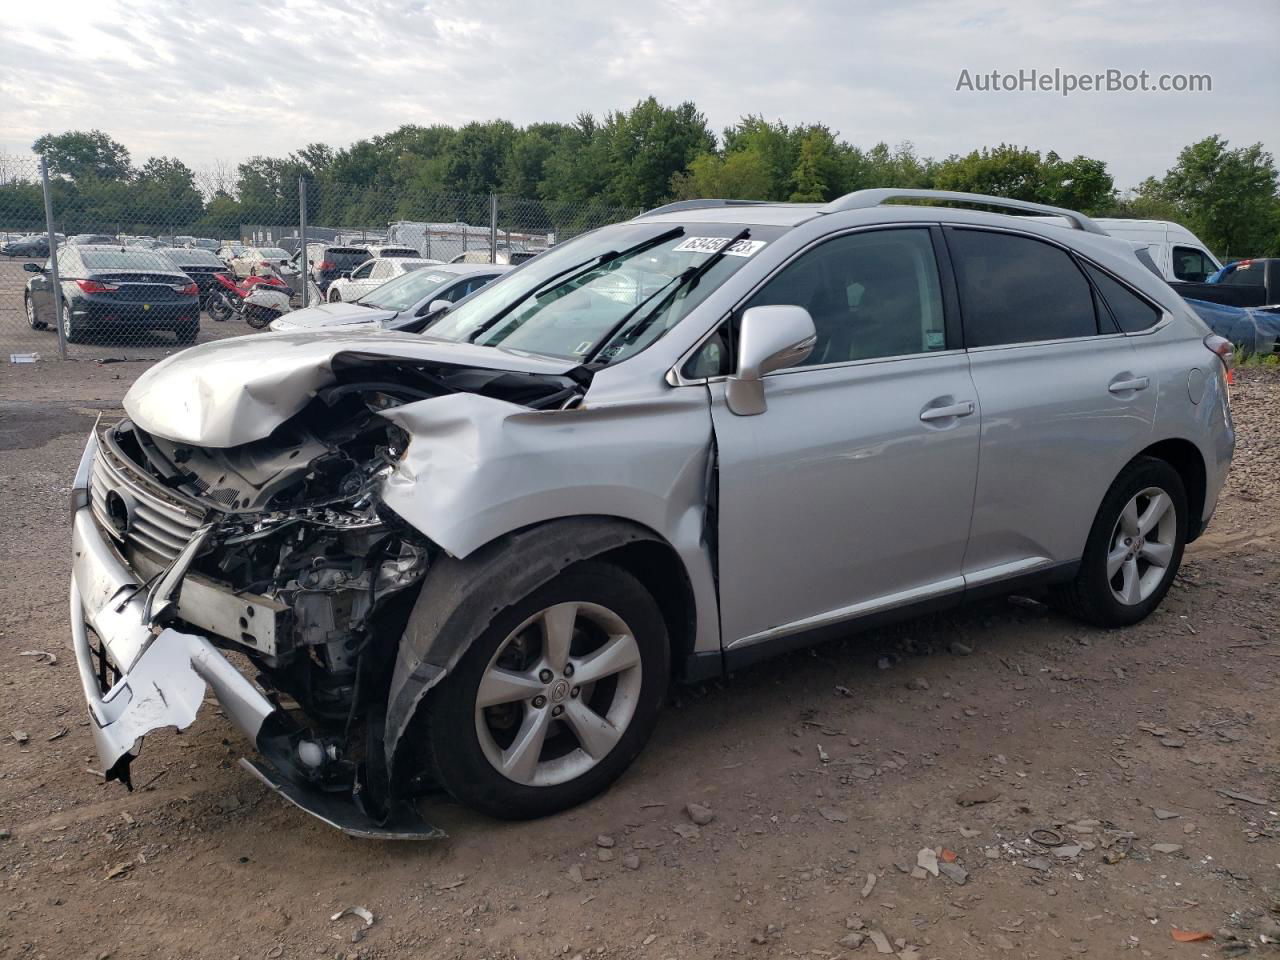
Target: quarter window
[1016,289]
[872,294]
[1191,265]
[1132,313]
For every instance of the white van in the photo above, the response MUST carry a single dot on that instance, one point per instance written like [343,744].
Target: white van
[1177,251]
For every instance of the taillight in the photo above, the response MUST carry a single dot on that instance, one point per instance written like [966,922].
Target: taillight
[187,290]
[327,265]
[1225,352]
[94,286]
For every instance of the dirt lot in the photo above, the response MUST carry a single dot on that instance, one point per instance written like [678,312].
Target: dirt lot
[829,773]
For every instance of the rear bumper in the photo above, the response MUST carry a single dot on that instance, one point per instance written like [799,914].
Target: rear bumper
[93,310]
[138,678]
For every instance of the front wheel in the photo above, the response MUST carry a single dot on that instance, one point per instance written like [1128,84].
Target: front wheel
[335,295]
[1134,547]
[555,699]
[32,322]
[71,331]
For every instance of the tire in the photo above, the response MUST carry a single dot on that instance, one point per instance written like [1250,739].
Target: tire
[466,744]
[335,295]
[71,331]
[218,308]
[1131,592]
[187,332]
[30,309]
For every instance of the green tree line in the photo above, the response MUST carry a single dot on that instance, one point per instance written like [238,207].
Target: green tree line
[598,168]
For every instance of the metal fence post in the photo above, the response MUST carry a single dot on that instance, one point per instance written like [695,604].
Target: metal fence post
[493,228]
[302,240]
[53,259]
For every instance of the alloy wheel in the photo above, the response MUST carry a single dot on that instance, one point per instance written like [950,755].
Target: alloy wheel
[1142,546]
[558,694]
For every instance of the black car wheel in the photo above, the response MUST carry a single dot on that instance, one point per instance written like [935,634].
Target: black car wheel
[32,322]
[335,295]
[72,332]
[555,699]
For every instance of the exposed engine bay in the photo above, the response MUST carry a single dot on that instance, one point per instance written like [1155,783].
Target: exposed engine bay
[304,568]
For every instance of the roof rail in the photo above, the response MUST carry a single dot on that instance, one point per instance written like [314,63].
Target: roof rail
[865,199]
[698,205]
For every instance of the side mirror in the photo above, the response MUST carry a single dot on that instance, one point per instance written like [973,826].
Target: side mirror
[32,267]
[770,338]
[434,307]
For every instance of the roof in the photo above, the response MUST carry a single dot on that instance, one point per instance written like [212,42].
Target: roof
[465,268]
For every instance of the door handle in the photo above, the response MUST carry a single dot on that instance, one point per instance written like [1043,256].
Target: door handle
[945,413]
[1124,386]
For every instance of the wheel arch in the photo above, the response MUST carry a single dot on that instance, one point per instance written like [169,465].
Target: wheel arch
[1185,457]
[461,595]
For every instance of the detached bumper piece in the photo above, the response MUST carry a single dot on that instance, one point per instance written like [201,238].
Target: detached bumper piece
[140,679]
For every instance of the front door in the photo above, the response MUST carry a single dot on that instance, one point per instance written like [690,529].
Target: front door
[852,493]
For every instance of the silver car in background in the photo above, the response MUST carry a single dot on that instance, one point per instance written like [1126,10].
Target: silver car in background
[476,556]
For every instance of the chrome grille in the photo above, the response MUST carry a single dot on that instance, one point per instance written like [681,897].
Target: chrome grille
[159,524]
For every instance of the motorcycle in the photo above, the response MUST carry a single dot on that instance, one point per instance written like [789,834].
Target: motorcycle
[257,301]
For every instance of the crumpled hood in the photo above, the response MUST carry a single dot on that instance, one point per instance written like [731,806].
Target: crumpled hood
[331,315]
[229,392]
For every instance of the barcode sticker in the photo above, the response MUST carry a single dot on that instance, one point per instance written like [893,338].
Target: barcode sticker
[743,248]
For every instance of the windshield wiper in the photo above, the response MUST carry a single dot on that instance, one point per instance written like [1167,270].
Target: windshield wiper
[689,278]
[571,273]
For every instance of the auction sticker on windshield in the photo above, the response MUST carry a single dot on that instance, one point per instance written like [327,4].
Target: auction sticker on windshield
[743,248]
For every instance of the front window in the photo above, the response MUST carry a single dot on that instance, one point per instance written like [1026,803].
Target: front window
[407,290]
[1192,265]
[271,253]
[606,295]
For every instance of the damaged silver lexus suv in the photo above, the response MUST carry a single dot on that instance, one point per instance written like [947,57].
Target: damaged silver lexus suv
[471,558]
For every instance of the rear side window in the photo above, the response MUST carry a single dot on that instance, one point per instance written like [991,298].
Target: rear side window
[1191,265]
[1132,313]
[1016,289]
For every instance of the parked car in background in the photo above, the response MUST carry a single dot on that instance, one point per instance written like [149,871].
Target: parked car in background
[370,275]
[327,262]
[1258,278]
[504,255]
[200,265]
[229,250]
[376,250]
[204,243]
[93,239]
[1179,253]
[35,245]
[253,257]
[1241,302]
[119,290]
[404,303]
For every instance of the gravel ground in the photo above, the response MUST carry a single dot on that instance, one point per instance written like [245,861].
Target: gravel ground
[837,780]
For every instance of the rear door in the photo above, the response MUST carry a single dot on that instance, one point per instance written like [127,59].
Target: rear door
[852,492]
[1066,399]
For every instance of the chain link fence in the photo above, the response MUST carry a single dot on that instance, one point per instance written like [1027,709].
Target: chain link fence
[141,266]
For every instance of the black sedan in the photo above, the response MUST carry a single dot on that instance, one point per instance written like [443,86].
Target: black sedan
[117,292]
[202,266]
[36,245]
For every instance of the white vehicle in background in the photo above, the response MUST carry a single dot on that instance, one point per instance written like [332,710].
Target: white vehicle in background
[1176,251]
[251,260]
[400,253]
[372,274]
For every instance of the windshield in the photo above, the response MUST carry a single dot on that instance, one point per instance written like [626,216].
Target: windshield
[404,292]
[627,283]
[272,253]
[134,259]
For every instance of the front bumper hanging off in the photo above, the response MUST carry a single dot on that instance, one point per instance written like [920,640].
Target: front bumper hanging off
[164,674]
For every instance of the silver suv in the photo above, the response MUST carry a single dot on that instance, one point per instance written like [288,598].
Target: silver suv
[474,559]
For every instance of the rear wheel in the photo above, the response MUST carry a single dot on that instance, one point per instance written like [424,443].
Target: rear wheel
[555,699]
[72,331]
[32,322]
[335,295]
[1134,547]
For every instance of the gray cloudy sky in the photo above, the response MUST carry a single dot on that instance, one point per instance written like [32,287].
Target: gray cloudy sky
[209,80]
